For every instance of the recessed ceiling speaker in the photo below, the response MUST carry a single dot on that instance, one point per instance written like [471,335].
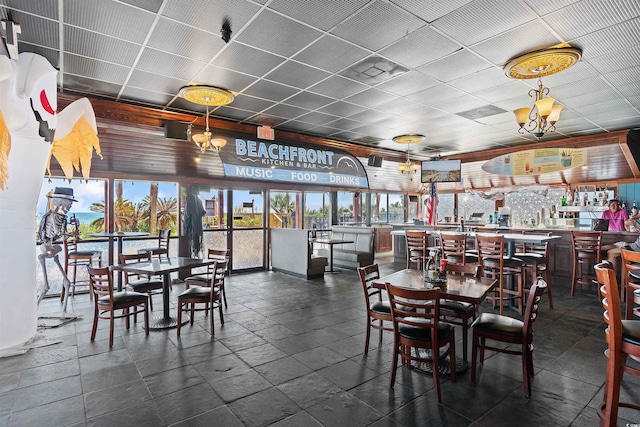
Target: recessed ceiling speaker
[374,161]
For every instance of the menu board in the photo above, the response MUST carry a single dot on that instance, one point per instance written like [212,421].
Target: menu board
[536,162]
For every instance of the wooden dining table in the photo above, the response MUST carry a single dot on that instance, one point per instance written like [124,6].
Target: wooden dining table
[454,287]
[164,266]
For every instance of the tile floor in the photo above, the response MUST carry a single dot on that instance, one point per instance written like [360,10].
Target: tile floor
[291,354]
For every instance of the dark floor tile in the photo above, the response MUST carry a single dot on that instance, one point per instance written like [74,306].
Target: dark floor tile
[205,352]
[241,342]
[109,376]
[310,389]
[141,415]
[187,403]
[344,409]
[425,411]
[41,394]
[240,385]
[221,367]
[221,416]
[264,408]
[302,418]
[348,347]
[295,344]
[62,412]
[347,374]
[162,362]
[282,370]
[561,387]
[173,380]
[11,381]
[377,394]
[319,357]
[261,354]
[115,398]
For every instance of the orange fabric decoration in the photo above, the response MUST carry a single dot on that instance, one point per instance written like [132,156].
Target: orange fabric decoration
[5,147]
[75,150]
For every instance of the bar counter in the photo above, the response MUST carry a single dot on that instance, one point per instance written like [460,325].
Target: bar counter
[560,266]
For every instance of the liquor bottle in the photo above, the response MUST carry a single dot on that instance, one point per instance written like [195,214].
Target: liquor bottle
[634,209]
[563,201]
[569,198]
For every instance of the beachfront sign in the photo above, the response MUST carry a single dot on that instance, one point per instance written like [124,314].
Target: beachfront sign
[290,162]
[536,162]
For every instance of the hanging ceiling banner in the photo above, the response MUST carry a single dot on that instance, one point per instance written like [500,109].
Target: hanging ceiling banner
[536,162]
[291,162]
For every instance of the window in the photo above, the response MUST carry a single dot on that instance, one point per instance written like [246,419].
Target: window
[146,206]
[247,209]
[396,208]
[317,210]
[89,208]
[379,207]
[283,209]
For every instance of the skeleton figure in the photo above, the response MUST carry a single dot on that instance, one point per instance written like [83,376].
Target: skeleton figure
[53,227]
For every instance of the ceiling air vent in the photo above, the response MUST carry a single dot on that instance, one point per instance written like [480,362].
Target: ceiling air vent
[374,70]
[478,113]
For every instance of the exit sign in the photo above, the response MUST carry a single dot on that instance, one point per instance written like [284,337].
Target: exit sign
[266,132]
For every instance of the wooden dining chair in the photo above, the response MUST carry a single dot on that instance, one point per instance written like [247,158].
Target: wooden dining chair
[107,302]
[630,287]
[623,340]
[378,310]
[496,265]
[164,239]
[503,329]
[454,248]
[144,284]
[459,312]
[75,258]
[535,257]
[416,248]
[586,247]
[416,326]
[201,297]
[220,270]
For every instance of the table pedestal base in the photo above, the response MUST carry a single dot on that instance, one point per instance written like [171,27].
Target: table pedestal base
[161,322]
[443,365]
[53,321]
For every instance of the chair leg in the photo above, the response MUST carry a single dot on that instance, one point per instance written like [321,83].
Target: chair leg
[220,311]
[436,372]
[520,291]
[146,319]
[366,340]
[452,356]
[380,326]
[465,335]
[501,293]
[525,370]
[179,317]
[394,363]
[474,356]
[96,313]
[111,326]
[547,278]
[574,276]
[211,318]
[224,295]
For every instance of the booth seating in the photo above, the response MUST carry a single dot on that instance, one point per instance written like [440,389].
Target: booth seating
[351,255]
[291,253]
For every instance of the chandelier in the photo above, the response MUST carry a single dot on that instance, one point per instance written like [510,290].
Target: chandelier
[408,167]
[210,96]
[542,117]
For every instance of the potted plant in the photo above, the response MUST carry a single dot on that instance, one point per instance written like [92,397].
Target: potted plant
[565,159]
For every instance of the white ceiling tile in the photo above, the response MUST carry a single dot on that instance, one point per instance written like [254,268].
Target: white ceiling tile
[453,66]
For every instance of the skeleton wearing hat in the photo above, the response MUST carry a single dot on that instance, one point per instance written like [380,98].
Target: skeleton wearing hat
[53,227]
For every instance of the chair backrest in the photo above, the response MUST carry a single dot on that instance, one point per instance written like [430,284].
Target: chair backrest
[219,254]
[533,303]
[415,307]
[454,246]
[534,248]
[416,240]
[490,246]
[164,237]
[587,243]
[367,274]
[221,270]
[463,269]
[606,277]
[131,259]
[70,246]
[101,280]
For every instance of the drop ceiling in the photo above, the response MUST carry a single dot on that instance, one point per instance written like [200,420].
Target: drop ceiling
[358,71]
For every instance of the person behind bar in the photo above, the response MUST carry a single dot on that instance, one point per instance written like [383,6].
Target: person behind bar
[614,254]
[616,216]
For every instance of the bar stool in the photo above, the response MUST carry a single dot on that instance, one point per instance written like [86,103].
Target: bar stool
[454,248]
[495,264]
[535,257]
[586,254]
[416,243]
[74,258]
[623,340]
